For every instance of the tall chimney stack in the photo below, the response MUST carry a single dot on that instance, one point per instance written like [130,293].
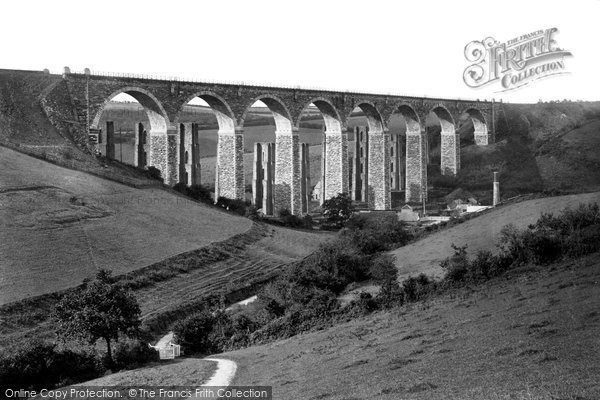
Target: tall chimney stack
[496,195]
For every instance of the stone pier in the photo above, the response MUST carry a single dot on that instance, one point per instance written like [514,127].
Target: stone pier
[263,177]
[287,191]
[173,153]
[360,165]
[230,164]
[195,153]
[396,163]
[416,166]
[110,140]
[158,154]
[336,164]
[379,196]
[305,184]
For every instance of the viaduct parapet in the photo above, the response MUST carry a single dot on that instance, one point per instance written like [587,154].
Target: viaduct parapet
[165,140]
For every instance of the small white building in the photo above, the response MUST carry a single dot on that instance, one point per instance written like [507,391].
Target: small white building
[167,350]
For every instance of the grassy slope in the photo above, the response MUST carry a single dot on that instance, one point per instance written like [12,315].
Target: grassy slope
[181,372]
[244,260]
[533,336]
[266,256]
[24,126]
[545,147]
[60,226]
[480,233]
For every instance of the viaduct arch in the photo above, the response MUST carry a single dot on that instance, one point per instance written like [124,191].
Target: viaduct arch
[163,101]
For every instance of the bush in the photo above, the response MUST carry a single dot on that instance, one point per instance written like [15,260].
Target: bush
[390,295]
[251,212]
[193,332]
[365,304]
[200,193]
[584,241]
[417,288]
[131,354]
[375,233]
[153,173]
[544,247]
[196,192]
[457,265]
[234,205]
[34,365]
[382,268]
[338,209]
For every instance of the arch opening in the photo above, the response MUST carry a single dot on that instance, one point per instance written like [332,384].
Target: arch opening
[406,180]
[274,165]
[132,128]
[472,128]
[442,153]
[206,142]
[312,127]
[370,179]
[321,131]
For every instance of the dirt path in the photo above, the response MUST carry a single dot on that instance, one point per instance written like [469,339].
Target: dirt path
[480,233]
[224,374]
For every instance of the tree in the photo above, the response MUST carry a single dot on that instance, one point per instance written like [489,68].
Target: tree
[194,331]
[338,209]
[99,309]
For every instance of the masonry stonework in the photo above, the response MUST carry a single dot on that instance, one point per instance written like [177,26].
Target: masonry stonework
[416,167]
[163,101]
[336,165]
[263,177]
[287,189]
[305,184]
[379,195]
[358,185]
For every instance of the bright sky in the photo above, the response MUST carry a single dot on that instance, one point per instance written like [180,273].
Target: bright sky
[403,47]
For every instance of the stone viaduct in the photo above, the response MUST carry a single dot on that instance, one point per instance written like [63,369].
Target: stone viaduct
[164,100]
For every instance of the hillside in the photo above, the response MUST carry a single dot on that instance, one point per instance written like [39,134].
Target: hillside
[545,147]
[25,127]
[529,336]
[480,233]
[60,226]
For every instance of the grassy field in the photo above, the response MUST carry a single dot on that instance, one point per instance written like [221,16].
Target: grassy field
[530,336]
[60,226]
[180,372]
[172,288]
[480,233]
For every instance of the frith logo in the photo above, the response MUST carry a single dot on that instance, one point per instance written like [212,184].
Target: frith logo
[515,63]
